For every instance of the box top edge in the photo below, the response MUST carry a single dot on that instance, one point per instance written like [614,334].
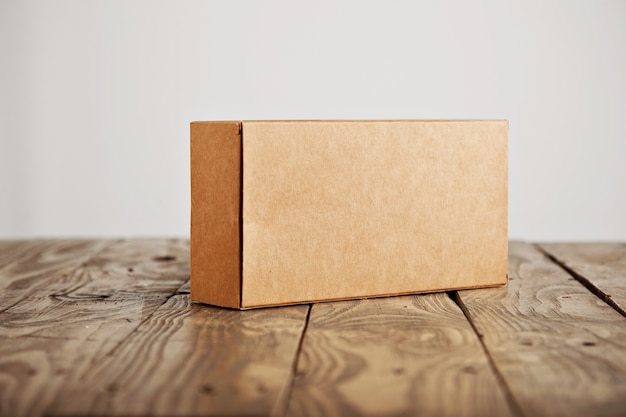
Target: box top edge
[226,122]
[356,121]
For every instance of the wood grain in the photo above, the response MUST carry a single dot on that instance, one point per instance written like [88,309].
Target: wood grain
[600,266]
[9,250]
[80,316]
[397,356]
[28,266]
[190,359]
[560,349]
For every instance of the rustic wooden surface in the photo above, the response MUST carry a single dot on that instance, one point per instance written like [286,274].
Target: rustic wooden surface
[105,327]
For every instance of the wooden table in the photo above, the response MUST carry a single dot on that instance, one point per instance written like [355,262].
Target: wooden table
[105,327]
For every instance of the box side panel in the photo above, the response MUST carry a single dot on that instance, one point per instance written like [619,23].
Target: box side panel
[215,213]
[347,210]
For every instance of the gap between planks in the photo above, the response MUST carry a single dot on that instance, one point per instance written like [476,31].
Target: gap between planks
[584,281]
[283,404]
[508,393]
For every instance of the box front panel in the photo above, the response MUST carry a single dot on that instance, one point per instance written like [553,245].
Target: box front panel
[337,210]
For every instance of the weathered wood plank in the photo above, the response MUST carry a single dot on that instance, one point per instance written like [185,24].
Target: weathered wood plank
[190,359]
[395,356]
[9,250]
[28,266]
[599,266]
[81,316]
[560,349]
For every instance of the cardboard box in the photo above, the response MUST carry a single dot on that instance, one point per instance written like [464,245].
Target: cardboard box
[286,212]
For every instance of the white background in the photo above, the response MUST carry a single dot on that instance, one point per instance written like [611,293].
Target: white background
[96,98]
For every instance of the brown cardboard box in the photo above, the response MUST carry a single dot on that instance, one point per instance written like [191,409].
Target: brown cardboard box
[287,212]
